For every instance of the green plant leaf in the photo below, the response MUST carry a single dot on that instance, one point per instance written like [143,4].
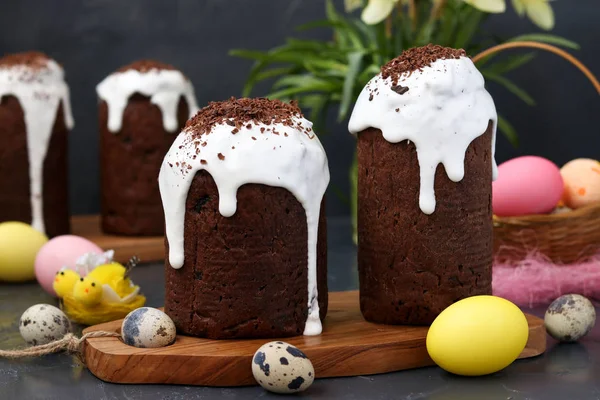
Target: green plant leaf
[425,33]
[252,77]
[345,32]
[382,42]
[306,45]
[508,131]
[354,66]
[511,87]
[510,64]
[302,80]
[317,103]
[467,27]
[547,38]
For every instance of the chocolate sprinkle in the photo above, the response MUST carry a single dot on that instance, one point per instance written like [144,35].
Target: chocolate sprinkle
[400,89]
[221,156]
[418,58]
[242,112]
[32,59]
[145,66]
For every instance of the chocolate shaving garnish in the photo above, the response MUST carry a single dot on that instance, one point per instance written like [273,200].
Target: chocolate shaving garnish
[416,59]
[243,112]
[221,156]
[146,65]
[203,162]
[371,97]
[400,89]
[32,59]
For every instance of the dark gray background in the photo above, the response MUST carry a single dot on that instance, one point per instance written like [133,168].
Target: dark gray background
[91,38]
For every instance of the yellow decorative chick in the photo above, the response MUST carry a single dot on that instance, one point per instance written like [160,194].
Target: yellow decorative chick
[87,292]
[64,281]
[105,294]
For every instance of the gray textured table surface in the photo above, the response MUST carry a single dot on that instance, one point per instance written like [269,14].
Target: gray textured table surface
[570,372]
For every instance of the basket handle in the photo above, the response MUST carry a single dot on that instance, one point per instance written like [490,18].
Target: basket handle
[543,46]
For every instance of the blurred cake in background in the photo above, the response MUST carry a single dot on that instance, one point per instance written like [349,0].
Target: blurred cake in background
[35,119]
[142,107]
[243,191]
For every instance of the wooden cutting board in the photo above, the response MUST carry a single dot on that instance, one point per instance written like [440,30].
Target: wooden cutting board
[349,346]
[147,248]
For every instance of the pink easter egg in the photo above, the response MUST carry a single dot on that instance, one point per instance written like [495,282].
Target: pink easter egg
[62,251]
[526,185]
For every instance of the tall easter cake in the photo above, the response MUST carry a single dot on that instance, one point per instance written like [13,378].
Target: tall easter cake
[35,119]
[242,189]
[142,107]
[426,137]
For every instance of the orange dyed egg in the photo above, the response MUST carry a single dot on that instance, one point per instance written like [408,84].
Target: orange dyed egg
[581,178]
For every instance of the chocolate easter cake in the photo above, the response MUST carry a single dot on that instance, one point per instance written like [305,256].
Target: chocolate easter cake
[35,119]
[243,190]
[426,136]
[142,106]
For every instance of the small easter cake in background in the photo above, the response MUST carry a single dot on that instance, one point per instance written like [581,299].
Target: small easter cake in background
[242,189]
[35,119]
[142,108]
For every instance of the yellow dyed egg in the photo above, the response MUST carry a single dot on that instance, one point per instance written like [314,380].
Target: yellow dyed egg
[19,245]
[478,335]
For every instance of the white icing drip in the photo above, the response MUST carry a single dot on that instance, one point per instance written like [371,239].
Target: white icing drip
[164,87]
[296,162]
[445,108]
[40,92]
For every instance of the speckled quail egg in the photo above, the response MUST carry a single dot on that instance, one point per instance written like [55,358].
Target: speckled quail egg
[148,327]
[280,367]
[43,323]
[570,317]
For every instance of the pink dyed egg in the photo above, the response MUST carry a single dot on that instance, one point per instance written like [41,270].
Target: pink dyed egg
[62,251]
[526,185]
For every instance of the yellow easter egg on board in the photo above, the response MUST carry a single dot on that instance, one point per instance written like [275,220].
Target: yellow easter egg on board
[478,335]
[19,244]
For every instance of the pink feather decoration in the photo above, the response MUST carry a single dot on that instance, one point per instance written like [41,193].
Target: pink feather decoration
[536,281]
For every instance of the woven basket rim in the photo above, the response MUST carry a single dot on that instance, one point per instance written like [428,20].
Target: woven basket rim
[547,218]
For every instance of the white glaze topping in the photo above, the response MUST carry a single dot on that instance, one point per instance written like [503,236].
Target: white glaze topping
[445,108]
[40,91]
[164,87]
[293,159]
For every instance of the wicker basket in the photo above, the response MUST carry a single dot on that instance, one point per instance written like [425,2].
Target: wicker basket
[564,238]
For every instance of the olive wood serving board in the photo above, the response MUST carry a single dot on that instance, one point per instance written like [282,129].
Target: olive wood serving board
[147,248]
[348,346]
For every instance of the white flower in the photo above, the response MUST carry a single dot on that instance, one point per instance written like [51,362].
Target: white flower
[538,11]
[377,10]
[488,6]
[351,5]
